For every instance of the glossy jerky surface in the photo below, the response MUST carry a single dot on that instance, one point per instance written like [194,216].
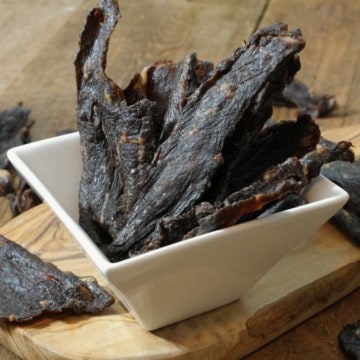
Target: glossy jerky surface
[162,156]
[31,287]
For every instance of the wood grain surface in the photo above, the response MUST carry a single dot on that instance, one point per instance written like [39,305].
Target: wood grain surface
[39,38]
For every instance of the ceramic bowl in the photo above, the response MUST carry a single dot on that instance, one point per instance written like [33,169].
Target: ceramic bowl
[187,278]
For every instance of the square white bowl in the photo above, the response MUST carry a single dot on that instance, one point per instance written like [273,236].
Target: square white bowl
[189,277]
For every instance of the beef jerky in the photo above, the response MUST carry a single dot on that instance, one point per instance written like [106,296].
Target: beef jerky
[314,160]
[272,146]
[123,135]
[116,139]
[31,287]
[297,94]
[14,130]
[277,182]
[349,341]
[22,198]
[6,182]
[288,178]
[347,176]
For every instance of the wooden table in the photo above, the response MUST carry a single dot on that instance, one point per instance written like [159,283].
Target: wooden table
[39,38]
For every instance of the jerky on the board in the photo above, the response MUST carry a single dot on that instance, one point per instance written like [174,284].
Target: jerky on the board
[31,287]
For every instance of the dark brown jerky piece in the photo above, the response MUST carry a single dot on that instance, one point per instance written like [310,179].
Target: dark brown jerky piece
[349,341]
[347,176]
[14,130]
[6,182]
[23,198]
[117,139]
[272,146]
[31,287]
[298,95]
[290,177]
[314,160]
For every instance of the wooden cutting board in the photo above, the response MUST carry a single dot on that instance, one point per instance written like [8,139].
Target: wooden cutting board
[316,274]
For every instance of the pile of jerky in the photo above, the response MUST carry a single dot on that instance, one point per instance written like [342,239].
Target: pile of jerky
[188,148]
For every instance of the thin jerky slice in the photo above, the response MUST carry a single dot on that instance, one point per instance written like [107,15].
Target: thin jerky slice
[349,341]
[14,130]
[298,95]
[117,140]
[347,176]
[6,182]
[23,198]
[31,287]
[314,160]
[349,223]
[272,146]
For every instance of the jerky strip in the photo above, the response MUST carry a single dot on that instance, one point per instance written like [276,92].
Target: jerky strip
[272,146]
[347,176]
[298,95]
[14,130]
[289,177]
[287,202]
[349,340]
[31,287]
[116,139]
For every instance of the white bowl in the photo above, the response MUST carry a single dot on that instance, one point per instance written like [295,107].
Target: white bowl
[187,278]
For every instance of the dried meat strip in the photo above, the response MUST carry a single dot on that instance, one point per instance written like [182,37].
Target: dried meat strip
[31,287]
[116,138]
[15,127]
[349,341]
[298,95]
[23,198]
[347,176]
[287,178]
[273,145]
